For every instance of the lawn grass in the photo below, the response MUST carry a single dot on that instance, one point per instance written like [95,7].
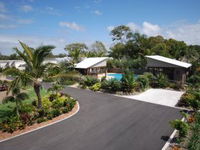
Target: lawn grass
[7,109]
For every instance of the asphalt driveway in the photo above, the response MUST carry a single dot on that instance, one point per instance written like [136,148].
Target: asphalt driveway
[104,122]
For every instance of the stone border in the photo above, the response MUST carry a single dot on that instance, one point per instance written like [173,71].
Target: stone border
[55,120]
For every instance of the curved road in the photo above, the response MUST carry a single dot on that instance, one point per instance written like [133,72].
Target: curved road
[104,122]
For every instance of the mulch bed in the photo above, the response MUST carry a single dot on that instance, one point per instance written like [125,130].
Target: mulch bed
[5,135]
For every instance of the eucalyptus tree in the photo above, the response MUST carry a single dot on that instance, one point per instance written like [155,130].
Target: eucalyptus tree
[76,51]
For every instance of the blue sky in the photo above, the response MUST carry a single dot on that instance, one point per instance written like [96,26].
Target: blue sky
[60,22]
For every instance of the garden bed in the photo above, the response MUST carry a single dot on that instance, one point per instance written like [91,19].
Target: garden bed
[5,135]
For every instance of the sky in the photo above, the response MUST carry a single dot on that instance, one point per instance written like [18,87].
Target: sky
[60,22]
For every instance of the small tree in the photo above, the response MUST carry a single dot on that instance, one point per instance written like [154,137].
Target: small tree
[17,96]
[127,81]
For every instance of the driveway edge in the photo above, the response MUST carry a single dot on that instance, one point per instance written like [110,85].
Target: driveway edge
[170,138]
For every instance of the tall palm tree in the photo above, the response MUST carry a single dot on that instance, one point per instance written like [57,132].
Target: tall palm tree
[35,67]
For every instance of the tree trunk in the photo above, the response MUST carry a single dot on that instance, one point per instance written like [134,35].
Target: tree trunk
[37,87]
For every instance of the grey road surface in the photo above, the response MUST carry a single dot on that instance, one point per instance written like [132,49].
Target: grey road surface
[104,122]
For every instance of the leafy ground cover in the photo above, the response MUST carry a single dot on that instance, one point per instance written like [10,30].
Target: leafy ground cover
[53,106]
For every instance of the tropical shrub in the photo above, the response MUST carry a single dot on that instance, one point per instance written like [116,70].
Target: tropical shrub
[59,102]
[181,126]
[40,120]
[96,87]
[150,77]
[194,142]
[55,112]
[11,124]
[191,99]
[160,81]
[112,85]
[46,103]
[127,81]
[89,81]
[143,82]
[194,80]
[30,114]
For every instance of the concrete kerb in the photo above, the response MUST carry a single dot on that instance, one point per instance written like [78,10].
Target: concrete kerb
[170,138]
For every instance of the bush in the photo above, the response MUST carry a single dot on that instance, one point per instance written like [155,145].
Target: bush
[191,99]
[46,103]
[8,99]
[89,81]
[70,103]
[143,82]
[65,110]
[59,102]
[49,116]
[127,81]
[160,81]
[194,80]
[96,87]
[55,112]
[40,120]
[11,124]
[26,118]
[194,142]
[185,98]
[27,108]
[181,126]
[112,85]
[150,77]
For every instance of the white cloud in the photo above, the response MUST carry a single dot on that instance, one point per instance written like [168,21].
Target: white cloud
[72,25]
[25,21]
[97,12]
[133,26]
[182,31]
[185,32]
[26,8]
[110,28]
[7,42]
[4,17]
[150,29]
[49,8]
[7,26]
[2,7]
[51,11]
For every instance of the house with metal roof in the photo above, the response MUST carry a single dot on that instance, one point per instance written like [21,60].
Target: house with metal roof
[93,65]
[175,70]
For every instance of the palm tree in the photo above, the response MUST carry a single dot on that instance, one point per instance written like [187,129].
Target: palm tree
[35,67]
[17,95]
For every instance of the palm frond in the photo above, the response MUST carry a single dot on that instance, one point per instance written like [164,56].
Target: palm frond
[23,56]
[27,50]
